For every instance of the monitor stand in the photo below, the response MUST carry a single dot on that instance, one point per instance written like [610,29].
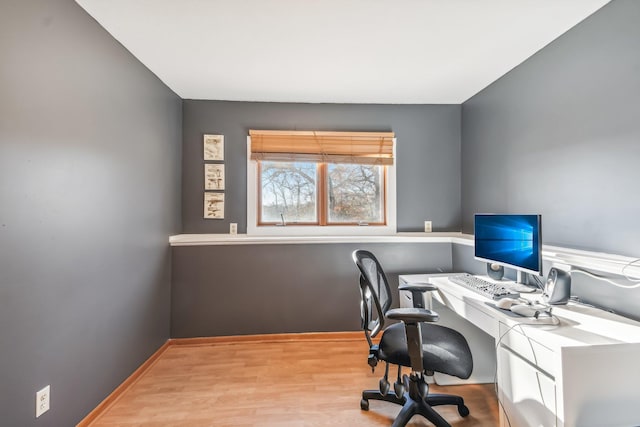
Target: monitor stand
[522,283]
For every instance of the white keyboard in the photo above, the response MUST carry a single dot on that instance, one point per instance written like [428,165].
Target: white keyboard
[490,290]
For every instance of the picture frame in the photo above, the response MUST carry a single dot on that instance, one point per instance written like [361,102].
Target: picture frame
[214,176]
[213,147]
[214,205]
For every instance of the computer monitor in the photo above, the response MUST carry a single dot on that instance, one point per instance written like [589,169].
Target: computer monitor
[513,241]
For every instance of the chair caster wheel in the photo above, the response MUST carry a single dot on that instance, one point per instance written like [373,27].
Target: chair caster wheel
[384,387]
[364,405]
[463,410]
[398,389]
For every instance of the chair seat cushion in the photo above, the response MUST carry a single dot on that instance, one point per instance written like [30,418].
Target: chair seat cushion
[444,350]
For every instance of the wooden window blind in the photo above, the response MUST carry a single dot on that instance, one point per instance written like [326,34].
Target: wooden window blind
[373,148]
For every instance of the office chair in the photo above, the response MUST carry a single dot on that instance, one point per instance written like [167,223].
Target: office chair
[415,342]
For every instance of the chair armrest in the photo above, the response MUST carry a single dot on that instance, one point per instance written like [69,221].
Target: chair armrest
[417,287]
[417,291]
[412,315]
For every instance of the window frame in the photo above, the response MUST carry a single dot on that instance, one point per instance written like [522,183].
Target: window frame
[273,229]
[322,202]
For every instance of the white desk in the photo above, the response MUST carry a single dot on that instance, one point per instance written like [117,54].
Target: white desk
[584,372]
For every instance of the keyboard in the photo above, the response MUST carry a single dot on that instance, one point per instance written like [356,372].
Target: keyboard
[490,290]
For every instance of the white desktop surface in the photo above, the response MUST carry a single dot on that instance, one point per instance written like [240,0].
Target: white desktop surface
[580,325]
[581,372]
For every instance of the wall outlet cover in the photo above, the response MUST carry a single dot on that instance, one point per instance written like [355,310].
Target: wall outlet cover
[42,400]
[427,227]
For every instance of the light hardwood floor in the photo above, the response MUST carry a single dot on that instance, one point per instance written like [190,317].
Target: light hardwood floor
[282,384]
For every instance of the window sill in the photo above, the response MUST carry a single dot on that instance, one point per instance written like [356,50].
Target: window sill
[248,239]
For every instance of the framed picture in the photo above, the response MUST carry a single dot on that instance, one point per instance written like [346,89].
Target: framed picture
[214,147]
[214,177]
[214,205]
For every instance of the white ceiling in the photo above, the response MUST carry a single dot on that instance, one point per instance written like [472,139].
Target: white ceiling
[343,51]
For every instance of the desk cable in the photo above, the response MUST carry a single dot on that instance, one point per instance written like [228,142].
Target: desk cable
[626,276]
[538,281]
[606,279]
[534,358]
[578,300]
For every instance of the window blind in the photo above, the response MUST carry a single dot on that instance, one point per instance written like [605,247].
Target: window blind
[374,148]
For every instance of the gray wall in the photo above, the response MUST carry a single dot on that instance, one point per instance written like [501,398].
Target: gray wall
[428,151]
[89,192]
[559,135]
[226,290]
[257,289]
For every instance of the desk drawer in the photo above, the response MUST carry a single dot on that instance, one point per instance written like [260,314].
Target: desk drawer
[527,395]
[535,353]
[482,320]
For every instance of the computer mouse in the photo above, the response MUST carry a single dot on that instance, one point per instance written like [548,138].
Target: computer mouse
[506,303]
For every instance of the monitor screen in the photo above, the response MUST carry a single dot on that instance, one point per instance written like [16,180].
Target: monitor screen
[510,240]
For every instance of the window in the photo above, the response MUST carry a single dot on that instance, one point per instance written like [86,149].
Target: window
[288,192]
[308,193]
[320,180]
[355,193]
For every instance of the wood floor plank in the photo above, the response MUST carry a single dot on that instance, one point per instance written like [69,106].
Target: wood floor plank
[306,383]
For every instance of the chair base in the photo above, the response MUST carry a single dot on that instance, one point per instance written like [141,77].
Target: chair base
[412,404]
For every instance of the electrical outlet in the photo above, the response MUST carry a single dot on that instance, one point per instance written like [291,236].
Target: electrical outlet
[42,400]
[233,228]
[427,226]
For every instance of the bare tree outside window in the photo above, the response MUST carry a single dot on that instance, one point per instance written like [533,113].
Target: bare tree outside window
[289,191]
[355,193]
[352,193]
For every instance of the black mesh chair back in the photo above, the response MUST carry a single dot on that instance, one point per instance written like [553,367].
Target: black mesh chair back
[374,291]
